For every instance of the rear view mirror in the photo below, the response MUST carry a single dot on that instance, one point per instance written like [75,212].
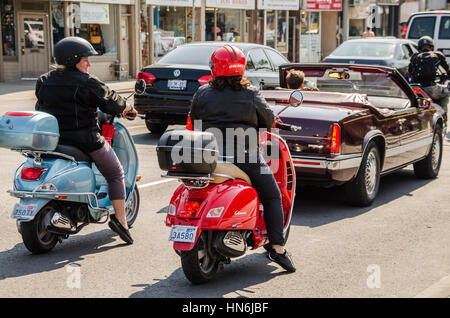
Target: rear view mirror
[139,87]
[296,98]
[339,75]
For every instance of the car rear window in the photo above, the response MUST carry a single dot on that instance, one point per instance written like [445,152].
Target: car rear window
[190,54]
[422,26]
[444,29]
[365,49]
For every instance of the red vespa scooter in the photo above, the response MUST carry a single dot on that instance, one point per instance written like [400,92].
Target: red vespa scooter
[217,216]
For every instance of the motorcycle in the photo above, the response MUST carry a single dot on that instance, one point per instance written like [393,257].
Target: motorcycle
[215,214]
[59,187]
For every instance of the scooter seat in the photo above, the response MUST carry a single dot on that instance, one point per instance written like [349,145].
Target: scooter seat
[229,169]
[73,152]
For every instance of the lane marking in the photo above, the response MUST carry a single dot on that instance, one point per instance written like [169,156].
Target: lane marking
[146,185]
[136,127]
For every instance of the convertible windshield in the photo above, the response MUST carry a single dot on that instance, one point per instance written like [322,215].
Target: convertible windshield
[348,81]
[365,49]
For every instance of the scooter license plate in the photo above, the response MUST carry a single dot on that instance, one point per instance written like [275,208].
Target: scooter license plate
[23,211]
[183,233]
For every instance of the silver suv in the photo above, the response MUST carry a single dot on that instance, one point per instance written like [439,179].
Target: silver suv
[432,23]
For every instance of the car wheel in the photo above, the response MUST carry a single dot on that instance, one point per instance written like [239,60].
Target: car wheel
[364,188]
[428,168]
[156,128]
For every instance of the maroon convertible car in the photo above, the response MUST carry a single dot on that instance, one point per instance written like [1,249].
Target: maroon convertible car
[362,123]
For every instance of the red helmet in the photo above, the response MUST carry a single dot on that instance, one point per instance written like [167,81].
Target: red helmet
[227,60]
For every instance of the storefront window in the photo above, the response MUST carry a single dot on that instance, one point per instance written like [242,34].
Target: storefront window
[310,36]
[8,26]
[228,24]
[91,21]
[282,29]
[227,27]
[270,28]
[169,28]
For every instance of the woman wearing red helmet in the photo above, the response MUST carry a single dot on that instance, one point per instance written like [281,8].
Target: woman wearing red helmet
[233,111]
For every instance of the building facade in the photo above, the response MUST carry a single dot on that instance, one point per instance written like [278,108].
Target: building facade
[30,29]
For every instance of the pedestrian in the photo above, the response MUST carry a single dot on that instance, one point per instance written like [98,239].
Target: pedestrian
[368,33]
[230,102]
[423,69]
[72,95]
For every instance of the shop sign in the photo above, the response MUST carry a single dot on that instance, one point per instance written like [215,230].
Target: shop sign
[231,4]
[94,13]
[105,1]
[278,4]
[388,2]
[323,5]
[173,3]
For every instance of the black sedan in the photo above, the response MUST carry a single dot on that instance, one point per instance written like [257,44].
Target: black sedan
[390,52]
[173,80]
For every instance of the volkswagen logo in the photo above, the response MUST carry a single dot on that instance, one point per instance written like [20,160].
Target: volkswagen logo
[176,73]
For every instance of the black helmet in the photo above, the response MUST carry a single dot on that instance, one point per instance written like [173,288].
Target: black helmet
[425,40]
[70,50]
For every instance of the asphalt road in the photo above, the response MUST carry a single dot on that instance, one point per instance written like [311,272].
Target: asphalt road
[398,247]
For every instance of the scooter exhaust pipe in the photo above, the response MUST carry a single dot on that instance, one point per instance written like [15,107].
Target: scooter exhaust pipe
[61,224]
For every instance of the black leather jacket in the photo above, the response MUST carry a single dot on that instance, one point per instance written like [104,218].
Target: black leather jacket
[245,109]
[73,97]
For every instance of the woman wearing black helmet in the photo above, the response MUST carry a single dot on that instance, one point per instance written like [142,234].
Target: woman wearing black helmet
[423,70]
[72,95]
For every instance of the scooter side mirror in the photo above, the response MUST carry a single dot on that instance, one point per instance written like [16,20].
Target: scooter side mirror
[296,98]
[139,87]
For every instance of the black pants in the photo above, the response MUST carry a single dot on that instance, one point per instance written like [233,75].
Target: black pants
[270,196]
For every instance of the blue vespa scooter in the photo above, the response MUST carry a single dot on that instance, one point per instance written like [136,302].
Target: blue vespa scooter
[60,189]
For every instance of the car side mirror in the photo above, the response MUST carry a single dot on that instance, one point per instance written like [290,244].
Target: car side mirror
[296,98]
[424,103]
[139,87]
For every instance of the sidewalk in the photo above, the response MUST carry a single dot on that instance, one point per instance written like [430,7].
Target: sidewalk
[25,88]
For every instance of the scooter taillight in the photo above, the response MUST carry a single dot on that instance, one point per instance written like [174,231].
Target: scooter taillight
[31,173]
[190,209]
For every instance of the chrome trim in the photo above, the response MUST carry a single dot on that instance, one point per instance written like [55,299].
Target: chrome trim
[424,142]
[339,162]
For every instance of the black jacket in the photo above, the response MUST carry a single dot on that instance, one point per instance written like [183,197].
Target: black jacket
[73,97]
[245,109]
[436,58]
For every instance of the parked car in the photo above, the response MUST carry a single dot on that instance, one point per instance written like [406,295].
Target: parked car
[375,51]
[363,123]
[173,80]
[432,23]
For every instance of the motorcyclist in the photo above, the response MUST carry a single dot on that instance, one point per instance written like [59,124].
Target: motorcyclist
[423,70]
[228,104]
[72,95]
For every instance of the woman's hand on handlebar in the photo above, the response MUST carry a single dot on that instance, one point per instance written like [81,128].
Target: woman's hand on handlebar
[129,113]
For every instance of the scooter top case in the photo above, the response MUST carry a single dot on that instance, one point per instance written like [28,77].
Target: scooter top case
[30,130]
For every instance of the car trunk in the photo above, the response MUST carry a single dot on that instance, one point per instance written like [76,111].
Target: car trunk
[316,116]
[176,79]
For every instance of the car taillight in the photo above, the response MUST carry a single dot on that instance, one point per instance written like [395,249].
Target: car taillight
[204,80]
[31,173]
[189,123]
[190,209]
[405,29]
[335,142]
[18,114]
[146,76]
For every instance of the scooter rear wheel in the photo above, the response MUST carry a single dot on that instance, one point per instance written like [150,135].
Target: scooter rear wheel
[198,264]
[133,207]
[34,233]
